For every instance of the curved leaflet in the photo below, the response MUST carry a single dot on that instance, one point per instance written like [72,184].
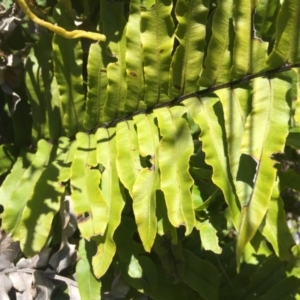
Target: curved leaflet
[175,149]
[218,61]
[287,40]
[113,195]
[242,22]
[190,32]
[157,42]
[147,181]
[97,84]
[205,112]
[134,60]
[88,202]
[265,133]
[128,159]
[116,49]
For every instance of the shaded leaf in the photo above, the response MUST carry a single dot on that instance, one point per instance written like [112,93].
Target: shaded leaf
[96,93]
[275,228]
[287,41]
[68,74]
[89,286]
[242,23]
[201,276]
[8,155]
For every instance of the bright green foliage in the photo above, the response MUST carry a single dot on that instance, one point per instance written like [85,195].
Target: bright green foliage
[235,114]
[112,193]
[160,186]
[128,159]
[116,48]
[31,205]
[217,60]
[205,112]
[147,181]
[97,82]
[209,238]
[287,45]
[89,204]
[190,32]
[134,60]
[157,39]
[265,131]
[174,152]
[242,15]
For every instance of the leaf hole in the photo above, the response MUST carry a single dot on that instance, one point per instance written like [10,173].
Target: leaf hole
[146,162]
[83,217]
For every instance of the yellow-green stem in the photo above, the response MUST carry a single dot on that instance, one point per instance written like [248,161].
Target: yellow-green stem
[74,34]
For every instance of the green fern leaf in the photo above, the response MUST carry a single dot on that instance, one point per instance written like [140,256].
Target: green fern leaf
[265,18]
[201,276]
[217,61]
[42,91]
[68,75]
[190,32]
[89,286]
[113,195]
[88,201]
[157,41]
[235,103]
[242,22]
[147,181]
[275,229]
[287,42]
[175,150]
[209,238]
[268,122]
[38,198]
[12,182]
[134,60]
[205,112]
[116,69]
[97,83]
[128,159]
[16,202]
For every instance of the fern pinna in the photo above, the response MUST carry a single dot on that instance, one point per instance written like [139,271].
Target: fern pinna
[168,129]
